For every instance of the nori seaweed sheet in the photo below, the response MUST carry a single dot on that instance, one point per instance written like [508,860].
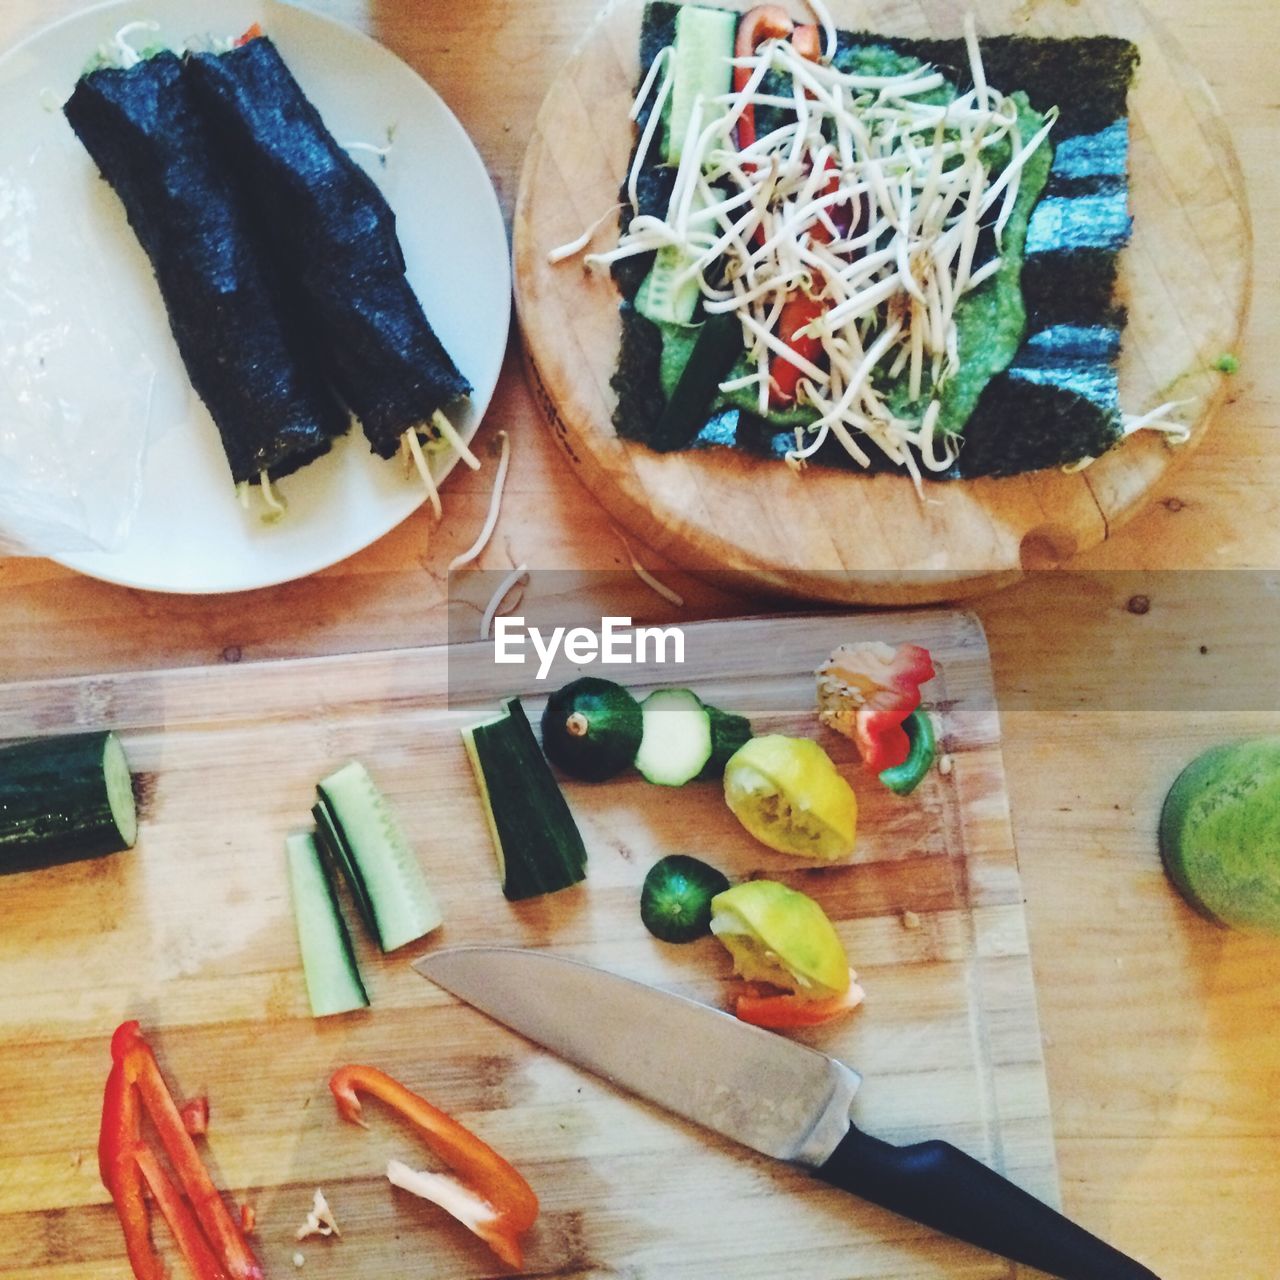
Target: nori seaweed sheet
[243,348]
[335,237]
[1020,423]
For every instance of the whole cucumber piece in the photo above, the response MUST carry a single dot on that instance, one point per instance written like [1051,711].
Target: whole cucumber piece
[63,798]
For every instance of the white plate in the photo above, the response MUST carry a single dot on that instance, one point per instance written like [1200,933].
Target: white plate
[189,533]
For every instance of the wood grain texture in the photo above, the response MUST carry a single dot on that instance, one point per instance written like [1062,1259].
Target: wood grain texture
[824,534]
[1167,1132]
[192,933]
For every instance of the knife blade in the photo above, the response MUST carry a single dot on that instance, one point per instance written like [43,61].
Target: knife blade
[778,1097]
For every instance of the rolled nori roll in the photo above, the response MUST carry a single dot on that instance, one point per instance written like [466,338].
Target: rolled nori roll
[335,235]
[244,350]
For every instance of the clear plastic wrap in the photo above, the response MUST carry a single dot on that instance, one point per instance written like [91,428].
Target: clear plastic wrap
[76,382]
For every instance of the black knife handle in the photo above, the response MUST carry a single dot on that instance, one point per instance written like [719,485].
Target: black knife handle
[938,1185]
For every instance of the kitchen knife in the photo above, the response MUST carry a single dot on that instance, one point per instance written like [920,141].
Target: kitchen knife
[771,1094]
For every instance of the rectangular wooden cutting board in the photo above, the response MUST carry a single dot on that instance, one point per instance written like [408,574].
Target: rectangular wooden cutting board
[192,933]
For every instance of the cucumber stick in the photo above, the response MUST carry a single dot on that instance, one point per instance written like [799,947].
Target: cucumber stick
[537,843]
[328,961]
[377,858]
[701,67]
[718,345]
[64,798]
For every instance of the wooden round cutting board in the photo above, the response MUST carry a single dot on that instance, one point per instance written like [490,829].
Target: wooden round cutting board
[832,535]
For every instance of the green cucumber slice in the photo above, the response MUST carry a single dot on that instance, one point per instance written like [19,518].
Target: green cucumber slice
[660,298]
[701,67]
[676,743]
[729,731]
[328,961]
[64,798]
[591,729]
[403,906]
[718,345]
[340,862]
[535,839]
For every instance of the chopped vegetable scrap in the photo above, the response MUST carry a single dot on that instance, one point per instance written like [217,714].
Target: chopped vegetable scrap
[195,1116]
[320,1220]
[785,946]
[866,691]
[908,264]
[210,1240]
[902,779]
[788,793]
[489,1196]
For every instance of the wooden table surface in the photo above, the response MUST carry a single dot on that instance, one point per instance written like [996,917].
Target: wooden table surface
[1163,1057]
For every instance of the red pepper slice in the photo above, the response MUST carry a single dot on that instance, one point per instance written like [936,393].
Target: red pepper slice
[887,684]
[798,310]
[117,1137]
[253,33]
[195,1117]
[784,1011]
[177,1213]
[764,22]
[133,1055]
[498,1183]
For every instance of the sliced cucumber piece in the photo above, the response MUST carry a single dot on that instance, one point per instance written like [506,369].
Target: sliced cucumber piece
[339,862]
[718,345]
[591,729]
[659,297]
[403,906]
[676,743]
[535,839]
[701,67]
[328,961]
[728,732]
[64,798]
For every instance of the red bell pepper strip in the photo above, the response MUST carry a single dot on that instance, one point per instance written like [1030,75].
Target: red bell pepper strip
[253,33]
[497,1183]
[117,1138]
[195,1117]
[133,1055]
[764,22]
[797,312]
[177,1213]
[782,1012]
[884,689]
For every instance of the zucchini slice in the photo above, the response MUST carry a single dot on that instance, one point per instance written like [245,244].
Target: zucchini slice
[64,798]
[537,843]
[676,743]
[591,729]
[675,900]
[328,961]
[378,859]
[729,731]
